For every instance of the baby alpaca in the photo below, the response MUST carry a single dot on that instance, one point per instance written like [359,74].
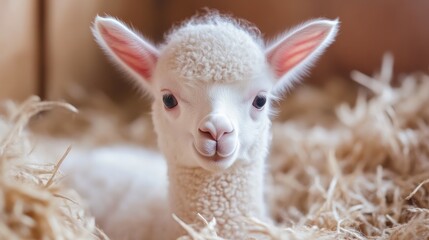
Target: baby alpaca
[212,83]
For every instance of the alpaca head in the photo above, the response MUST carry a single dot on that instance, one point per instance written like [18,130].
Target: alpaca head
[212,83]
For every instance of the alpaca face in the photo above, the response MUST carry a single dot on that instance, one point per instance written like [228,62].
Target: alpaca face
[212,97]
[211,125]
[212,83]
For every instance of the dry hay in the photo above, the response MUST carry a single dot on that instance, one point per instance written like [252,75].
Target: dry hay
[364,176]
[33,205]
[344,164]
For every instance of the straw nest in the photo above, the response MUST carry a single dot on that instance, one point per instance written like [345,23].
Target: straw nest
[362,176]
[344,164]
[33,205]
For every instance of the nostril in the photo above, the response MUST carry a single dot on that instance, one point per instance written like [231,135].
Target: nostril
[208,133]
[222,132]
[217,134]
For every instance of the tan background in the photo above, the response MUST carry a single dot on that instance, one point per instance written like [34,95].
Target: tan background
[369,28]
[18,48]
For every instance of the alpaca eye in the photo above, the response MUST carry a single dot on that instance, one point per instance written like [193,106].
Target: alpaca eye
[259,101]
[169,100]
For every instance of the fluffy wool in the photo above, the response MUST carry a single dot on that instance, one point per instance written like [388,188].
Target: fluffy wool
[229,198]
[219,49]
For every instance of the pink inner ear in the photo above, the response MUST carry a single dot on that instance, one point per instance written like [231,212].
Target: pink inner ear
[293,51]
[130,51]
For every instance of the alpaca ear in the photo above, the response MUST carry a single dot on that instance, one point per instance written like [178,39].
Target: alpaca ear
[127,48]
[291,55]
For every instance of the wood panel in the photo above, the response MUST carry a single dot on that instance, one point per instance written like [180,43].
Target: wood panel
[72,55]
[18,49]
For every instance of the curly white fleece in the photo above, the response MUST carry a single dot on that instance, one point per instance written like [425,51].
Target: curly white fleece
[229,197]
[217,49]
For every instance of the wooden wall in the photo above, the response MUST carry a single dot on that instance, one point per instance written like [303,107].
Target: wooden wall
[73,56]
[369,28]
[18,49]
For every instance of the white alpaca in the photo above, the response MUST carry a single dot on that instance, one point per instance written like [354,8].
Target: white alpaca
[212,84]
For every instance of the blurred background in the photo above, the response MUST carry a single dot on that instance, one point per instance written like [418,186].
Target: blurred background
[46,46]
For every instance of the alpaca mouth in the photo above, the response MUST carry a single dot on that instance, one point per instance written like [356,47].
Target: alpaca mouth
[216,162]
[216,155]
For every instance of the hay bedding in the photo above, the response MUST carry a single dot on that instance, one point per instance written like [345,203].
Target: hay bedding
[344,165]
[33,205]
[359,178]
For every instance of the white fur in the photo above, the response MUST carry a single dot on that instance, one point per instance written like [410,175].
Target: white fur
[215,141]
[125,186]
[187,50]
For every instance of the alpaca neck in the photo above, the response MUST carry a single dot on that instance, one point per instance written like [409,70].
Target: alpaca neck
[229,196]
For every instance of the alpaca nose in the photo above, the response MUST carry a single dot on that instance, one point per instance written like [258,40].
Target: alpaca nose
[216,125]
